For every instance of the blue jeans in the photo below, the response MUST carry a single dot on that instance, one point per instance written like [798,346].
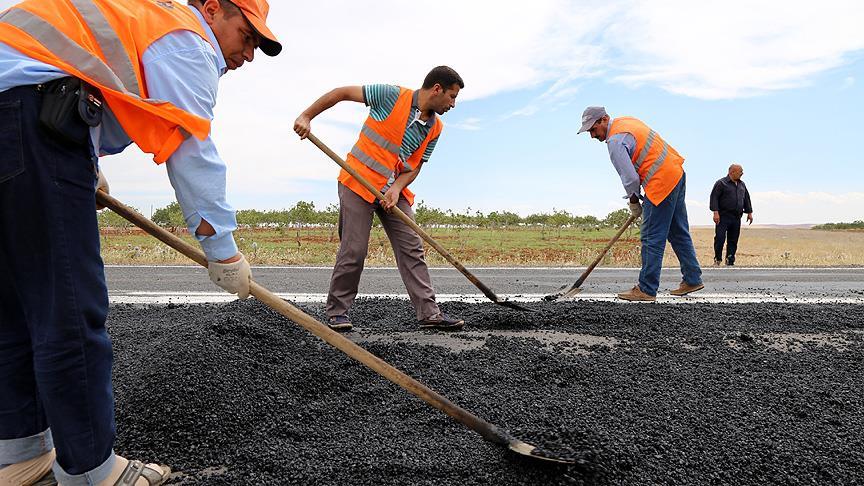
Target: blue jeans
[55,353]
[667,220]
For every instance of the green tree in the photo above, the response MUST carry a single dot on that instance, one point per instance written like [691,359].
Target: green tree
[171,216]
[537,219]
[425,215]
[109,219]
[559,219]
[616,218]
[302,213]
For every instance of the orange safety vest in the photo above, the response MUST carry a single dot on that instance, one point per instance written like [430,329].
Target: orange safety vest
[101,42]
[658,164]
[376,154]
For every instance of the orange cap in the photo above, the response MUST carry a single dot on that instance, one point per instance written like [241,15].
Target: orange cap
[255,12]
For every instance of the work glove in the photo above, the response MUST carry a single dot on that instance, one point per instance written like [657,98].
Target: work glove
[635,209]
[101,185]
[233,277]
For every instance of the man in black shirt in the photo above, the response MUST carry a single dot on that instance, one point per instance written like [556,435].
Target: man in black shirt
[729,200]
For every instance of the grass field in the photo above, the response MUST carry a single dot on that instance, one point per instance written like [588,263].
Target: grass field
[518,246]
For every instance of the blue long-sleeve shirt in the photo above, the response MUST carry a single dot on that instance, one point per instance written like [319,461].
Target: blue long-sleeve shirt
[184,69]
[621,147]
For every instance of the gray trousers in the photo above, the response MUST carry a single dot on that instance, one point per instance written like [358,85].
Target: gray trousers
[355,225]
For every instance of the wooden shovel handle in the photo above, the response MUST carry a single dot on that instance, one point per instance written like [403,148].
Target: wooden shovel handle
[489,431]
[404,217]
[605,250]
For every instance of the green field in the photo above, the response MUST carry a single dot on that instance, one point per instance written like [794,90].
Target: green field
[506,246]
[317,246]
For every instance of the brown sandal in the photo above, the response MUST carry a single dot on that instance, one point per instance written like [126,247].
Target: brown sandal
[136,470]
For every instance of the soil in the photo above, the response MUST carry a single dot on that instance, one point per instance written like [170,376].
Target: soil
[641,394]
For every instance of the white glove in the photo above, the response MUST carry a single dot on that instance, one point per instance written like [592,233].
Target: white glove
[101,185]
[635,209]
[233,277]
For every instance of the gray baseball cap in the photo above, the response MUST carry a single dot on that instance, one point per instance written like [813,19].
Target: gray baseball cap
[591,115]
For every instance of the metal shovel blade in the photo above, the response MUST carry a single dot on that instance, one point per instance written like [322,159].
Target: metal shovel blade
[513,305]
[569,294]
[531,451]
[557,294]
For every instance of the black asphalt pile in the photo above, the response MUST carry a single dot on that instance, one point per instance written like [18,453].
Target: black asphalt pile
[674,394]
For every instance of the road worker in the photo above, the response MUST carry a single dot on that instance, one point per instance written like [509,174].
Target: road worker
[80,79]
[395,142]
[645,161]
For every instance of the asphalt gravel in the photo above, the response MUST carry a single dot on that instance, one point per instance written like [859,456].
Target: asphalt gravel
[233,393]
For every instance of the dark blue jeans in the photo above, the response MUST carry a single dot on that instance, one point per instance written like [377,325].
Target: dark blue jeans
[55,353]
[727,230]
[667,221]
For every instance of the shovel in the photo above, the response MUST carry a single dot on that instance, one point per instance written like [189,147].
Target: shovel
[487,430]
[565,293]
[410,222]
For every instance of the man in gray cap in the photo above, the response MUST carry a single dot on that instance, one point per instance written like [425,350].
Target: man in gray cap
[644,160]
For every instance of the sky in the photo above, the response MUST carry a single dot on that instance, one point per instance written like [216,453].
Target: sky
[776,86]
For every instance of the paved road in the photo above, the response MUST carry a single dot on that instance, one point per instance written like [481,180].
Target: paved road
[154,284]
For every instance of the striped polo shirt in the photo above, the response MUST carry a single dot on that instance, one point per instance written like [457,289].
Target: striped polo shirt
[381,98]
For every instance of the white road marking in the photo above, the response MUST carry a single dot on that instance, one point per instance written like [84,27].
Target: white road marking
[120,297]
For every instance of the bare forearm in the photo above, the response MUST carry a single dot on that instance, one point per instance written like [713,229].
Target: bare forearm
[302,125]
[329,99]
[406,178]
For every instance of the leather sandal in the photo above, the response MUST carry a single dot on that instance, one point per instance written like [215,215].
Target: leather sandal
[137,470]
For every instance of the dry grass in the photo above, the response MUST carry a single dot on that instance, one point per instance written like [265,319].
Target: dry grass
[781,247]
[508,247]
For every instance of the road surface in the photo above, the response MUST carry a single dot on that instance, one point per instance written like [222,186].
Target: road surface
[162,284]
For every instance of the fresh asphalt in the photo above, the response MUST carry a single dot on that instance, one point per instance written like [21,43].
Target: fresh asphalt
[149,284]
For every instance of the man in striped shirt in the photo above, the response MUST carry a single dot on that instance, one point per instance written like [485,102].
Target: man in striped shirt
[396,141]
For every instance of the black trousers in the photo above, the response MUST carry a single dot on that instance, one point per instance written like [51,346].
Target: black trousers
[727,230]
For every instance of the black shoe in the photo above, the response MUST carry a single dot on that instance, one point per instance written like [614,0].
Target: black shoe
[442,321]
[340,323]
[730,264]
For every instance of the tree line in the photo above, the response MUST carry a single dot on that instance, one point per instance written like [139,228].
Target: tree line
[305,214]
[859,224]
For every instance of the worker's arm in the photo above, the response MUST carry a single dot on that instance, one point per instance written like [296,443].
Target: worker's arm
[621,147]
[408,175]
[391,197]
[302,125]
[184,69]
[714,201]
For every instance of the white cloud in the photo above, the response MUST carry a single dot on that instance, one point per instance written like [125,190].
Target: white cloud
[471,124]
[848,82]
[732,49]
[736,48]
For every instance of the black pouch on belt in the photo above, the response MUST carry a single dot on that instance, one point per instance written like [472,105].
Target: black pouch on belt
[69,108]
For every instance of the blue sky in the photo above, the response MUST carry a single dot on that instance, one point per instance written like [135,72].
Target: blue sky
[776,86]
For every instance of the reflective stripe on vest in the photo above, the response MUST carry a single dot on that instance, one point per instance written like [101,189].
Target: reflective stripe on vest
[379,140]
[64,47]
[68,50]
[370,162]
[644,152]
[659,162]
[110,44]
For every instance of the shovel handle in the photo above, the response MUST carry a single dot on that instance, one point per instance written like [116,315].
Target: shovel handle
[605,250]
[404,217]
[489,431]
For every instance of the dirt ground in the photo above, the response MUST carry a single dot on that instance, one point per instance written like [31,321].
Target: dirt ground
[645,394]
